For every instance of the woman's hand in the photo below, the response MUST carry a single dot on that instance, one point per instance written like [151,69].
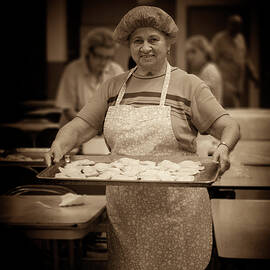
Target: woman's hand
[73,134]
[227,130]
[221,156]
[54,155]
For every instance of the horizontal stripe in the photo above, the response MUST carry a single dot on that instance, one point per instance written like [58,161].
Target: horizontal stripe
[152,94]
[175,110]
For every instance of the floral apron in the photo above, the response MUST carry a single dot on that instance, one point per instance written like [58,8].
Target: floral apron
[153,227]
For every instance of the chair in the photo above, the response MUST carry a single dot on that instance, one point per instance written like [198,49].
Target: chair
[39,189]
[44,189]
[67,245]
[46,137]
[16,176]
[58,231]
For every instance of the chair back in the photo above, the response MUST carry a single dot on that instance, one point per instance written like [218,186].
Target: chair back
[39,189]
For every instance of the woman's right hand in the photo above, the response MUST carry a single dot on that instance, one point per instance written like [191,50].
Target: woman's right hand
[70,136]
[54,155]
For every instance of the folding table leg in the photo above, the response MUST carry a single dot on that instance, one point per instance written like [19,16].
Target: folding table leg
[55,255]
[71,255]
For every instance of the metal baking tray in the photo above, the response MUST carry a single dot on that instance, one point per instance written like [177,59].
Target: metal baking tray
[205,178]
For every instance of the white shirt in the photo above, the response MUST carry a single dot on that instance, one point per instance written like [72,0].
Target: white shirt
[77,84]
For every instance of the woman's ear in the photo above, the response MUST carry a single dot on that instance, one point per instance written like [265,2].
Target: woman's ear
[168,48]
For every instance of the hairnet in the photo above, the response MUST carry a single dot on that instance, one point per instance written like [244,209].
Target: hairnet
[145,16]
[99,36]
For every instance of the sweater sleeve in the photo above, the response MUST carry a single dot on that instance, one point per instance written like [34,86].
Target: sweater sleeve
[205,108]
[95,110]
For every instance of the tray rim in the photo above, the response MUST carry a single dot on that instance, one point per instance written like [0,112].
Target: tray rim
[93,181]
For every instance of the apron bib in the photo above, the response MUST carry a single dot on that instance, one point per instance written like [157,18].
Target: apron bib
[150,227]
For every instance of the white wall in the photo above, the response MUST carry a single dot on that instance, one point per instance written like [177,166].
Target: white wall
[56,31]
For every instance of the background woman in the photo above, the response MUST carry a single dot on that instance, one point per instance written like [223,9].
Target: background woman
[199,62]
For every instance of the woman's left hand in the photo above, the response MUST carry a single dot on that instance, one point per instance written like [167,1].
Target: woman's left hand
[221,156]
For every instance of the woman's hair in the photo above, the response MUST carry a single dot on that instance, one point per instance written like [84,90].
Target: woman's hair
[200,42]
[98,37]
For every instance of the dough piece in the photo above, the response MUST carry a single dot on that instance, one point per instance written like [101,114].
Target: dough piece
[149,164]
[104,176]
[117,165]
[113,170]
[165,176]
[128,161]
[188,171]
[168,165]
[101,167]
[189,163]
[131,170]
[90,171]
[82,162]
[70,199]
[73,172]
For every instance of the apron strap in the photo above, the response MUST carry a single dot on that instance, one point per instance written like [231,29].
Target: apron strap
[123,87]
[165,85]
[163,92]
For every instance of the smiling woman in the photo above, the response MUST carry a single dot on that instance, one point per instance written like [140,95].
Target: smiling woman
[153,109]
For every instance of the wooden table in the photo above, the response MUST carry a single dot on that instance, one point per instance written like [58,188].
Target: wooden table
[41,217]
[254,122]
[242,228]
[251,152]
[245,177]
[250,166]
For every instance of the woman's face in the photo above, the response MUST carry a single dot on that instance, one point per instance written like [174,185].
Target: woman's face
[149,48]
[196,59]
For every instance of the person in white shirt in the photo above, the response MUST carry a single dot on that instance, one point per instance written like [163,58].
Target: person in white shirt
[82,77]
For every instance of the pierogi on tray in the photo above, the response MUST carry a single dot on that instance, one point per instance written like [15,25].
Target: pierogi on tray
[131,169]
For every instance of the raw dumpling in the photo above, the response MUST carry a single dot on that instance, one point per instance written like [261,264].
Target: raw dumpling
[90,171]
